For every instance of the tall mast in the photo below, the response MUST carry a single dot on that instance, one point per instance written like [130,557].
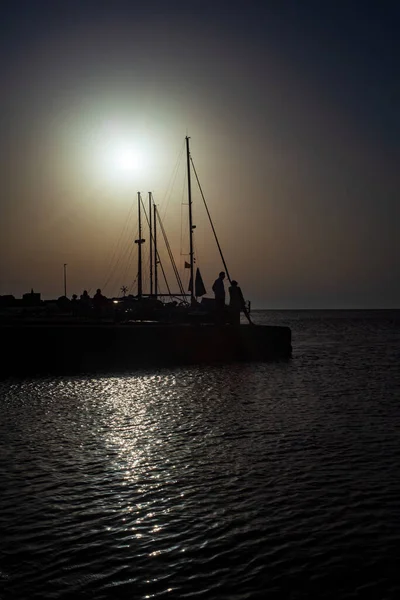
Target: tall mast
[139,242]
[151,244]
[191,226]
[155,250]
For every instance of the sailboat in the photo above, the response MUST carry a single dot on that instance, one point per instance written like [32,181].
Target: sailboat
[189,308]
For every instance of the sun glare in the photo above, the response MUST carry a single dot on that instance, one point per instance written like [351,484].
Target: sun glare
[121,155]
[127,160]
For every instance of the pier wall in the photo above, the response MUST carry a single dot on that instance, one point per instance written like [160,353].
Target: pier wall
[81,348]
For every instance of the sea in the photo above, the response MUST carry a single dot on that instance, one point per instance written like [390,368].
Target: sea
[234,482]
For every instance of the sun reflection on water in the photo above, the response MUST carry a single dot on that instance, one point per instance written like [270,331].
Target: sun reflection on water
[137,438]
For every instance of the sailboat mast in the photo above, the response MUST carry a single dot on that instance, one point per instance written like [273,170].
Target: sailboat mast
[151,244]
[191,227]
[139,242]
[155,250]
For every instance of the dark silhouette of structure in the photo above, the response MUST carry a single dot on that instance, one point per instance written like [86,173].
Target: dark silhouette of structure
[32,299]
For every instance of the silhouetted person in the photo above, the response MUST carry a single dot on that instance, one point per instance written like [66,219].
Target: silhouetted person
[219,293]
[85,303]
[74,305]
[236,303]
[85,297]
[99,302]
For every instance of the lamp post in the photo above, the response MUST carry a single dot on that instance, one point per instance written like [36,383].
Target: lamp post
[65,279]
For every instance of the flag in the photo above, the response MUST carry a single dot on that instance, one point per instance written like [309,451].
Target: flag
[187,265]
[199,289]
[199,285]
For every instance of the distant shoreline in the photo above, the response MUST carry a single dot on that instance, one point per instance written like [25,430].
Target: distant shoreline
[254,309]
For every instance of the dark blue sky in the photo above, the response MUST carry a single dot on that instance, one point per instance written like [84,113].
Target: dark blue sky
[303,95]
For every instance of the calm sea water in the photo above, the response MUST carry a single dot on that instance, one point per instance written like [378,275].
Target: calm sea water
[277,480]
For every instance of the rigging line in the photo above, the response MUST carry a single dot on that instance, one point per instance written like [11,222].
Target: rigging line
[163,272]
[123,254]
[171,256]
[172,180]
[116,263]
[216,238]
[115,272]
[128,264]
[114,278]
[212,225]
[167,244]
[196,251]
[158,255]
[173,262]
[117,244]
[130,286]
[145,275]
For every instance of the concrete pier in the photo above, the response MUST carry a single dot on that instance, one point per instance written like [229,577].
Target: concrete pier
[40,348]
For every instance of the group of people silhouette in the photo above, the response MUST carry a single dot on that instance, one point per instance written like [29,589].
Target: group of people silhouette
[86,303]
[236,301]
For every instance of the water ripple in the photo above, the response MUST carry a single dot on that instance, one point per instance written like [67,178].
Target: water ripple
[241,482]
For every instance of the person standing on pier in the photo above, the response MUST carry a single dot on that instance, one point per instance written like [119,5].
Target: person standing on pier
[99,303]
[219,293]
[85,304]
[236,303]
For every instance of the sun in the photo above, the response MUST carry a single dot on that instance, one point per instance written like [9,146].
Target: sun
[127,160]
[121,157]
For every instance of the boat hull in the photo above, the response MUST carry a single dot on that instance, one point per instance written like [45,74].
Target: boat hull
[75,348]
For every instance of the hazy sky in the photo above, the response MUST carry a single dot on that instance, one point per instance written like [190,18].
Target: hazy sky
[293,113]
